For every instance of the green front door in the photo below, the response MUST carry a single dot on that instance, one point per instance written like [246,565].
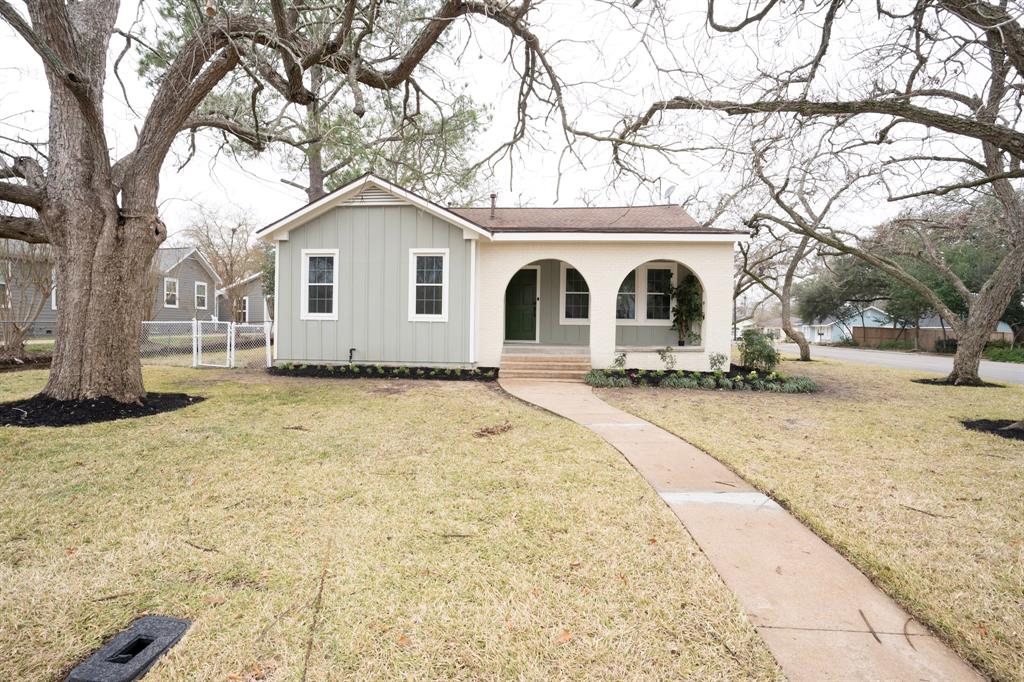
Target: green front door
[521,307]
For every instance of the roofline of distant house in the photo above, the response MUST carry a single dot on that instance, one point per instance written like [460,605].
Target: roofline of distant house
[206,264]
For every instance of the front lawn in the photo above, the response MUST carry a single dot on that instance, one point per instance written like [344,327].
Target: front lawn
[882,469]
[352,530]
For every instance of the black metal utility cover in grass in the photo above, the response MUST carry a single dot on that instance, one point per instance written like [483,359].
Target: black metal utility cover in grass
[131,653]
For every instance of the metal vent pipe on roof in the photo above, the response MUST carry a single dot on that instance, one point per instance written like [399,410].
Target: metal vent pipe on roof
[494,202]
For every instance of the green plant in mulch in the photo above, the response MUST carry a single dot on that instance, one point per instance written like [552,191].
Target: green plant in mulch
[736,379]
[758,351]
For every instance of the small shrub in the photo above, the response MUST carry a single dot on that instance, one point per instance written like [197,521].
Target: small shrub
[896,344]
[757,350]
[667,357]
[718,361]
[725,382]
[945,346]
[798,385]
[600,379]
[620,361]
[708,382]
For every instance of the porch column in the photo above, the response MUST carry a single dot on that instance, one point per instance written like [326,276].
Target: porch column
[602,323]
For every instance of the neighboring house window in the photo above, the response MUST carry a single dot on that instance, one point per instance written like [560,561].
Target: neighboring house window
[200,295]
[242,309]
[170,292]
[659,297]
[428,285]
[5,292]
[319,285]
[625,302]
[575,296]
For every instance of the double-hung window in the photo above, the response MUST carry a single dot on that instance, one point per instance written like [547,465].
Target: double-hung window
[170,292]
[428,285]
[575,297]
[659,293]
[242,309]
[319,292]
[201,295]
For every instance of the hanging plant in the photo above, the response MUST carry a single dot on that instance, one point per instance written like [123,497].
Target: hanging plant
[687,308]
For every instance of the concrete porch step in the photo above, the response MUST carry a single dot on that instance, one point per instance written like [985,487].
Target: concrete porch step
[544,374]
[550,366]
[544,359]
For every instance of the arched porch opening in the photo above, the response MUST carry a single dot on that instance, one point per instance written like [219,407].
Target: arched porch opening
[659,304]
[547,306]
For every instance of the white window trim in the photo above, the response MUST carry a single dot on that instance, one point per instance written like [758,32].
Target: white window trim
[562,319]
[641,295]
[245,309]
[177,292]
[413,316]
[304,313]
[206,296]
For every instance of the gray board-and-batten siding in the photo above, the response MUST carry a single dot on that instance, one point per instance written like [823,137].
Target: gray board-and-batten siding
[374,244]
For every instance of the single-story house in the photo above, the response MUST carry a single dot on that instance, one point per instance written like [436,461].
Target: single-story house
[250,302]
[184,288]
[773,327]
[876,326]
[831,330]
[378,274]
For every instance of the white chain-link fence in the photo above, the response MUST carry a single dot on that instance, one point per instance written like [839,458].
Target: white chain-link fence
[196,343]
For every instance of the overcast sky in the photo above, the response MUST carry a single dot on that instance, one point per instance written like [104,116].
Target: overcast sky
[594,44]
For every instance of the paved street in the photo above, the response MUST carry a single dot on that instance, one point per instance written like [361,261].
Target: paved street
[1007,372]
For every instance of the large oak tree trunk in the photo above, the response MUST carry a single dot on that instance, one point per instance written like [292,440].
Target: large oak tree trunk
[101,282]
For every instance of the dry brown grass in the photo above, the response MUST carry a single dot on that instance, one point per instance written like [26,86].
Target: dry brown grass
[881,468]
[534,553]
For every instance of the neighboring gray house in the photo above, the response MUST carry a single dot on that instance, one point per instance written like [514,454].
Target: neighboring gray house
[251,303]
[378,274]
[185,289]
[186,286]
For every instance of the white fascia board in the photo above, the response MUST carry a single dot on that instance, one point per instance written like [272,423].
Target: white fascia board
[279,231]
[620,237]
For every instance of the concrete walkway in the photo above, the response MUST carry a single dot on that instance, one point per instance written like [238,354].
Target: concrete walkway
[821,618]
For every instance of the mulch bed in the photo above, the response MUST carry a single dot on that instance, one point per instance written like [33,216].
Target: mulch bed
[28,362]
[997,427]
[42,411]
[384,372]
[943,382]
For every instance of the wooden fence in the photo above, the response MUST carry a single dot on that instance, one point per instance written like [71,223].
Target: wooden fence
[920,339]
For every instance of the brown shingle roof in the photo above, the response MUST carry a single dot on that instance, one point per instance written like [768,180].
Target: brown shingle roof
[667,219]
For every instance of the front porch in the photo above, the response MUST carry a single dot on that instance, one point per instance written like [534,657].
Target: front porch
[593,302]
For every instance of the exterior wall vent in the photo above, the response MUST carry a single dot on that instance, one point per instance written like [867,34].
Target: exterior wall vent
[372,196]
[131,653]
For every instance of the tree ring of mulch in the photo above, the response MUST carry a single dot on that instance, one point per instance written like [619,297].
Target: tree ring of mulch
[997,427]
[943,382]
[40,410]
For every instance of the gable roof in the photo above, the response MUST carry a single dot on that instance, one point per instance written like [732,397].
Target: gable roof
[282,226]
[239,282]
[515,223]
[168,258]
[667,218]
